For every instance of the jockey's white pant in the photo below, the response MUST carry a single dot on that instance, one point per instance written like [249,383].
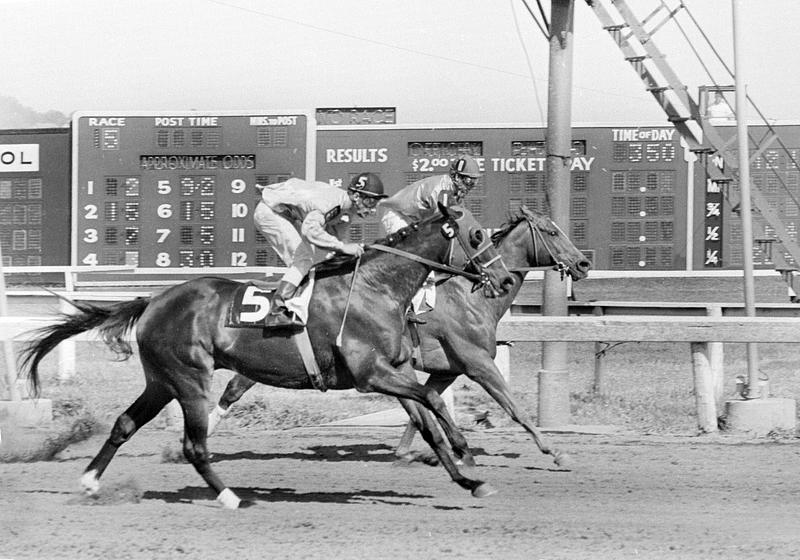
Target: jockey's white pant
[297,254]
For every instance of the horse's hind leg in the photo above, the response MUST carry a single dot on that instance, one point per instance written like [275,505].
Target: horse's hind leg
[150,402]
[196,450]
[404,447]
[234,390]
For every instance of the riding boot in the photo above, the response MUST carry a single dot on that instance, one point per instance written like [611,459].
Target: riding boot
[279,315]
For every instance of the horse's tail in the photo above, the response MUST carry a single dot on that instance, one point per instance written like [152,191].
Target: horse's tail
[113,323]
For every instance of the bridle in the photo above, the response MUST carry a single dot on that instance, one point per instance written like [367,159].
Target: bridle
[536,234]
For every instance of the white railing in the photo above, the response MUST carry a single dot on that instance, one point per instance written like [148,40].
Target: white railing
[699,332]
[139,276]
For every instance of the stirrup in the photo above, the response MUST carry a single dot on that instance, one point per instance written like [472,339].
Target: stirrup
[412,317]
[284,319]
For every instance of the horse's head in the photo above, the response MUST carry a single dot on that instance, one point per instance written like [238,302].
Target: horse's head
[482,256]
[550,246]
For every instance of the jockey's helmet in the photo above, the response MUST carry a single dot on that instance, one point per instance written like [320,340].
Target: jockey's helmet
[464,172]
[368,184]
[466,166]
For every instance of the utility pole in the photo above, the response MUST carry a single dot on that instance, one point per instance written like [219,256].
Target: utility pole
[554,409]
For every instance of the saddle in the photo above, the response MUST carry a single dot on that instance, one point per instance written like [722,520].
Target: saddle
[251,302]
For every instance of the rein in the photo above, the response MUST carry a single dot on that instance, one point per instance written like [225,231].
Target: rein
[478,278]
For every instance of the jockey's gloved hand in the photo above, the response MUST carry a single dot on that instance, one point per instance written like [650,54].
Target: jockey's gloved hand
[355,249]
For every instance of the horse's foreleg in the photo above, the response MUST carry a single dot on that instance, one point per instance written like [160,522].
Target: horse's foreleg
[489,377]
[402,384]
[234,390]
[145,408]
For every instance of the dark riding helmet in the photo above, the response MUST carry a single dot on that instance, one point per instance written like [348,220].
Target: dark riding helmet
[465,166]
[368,184]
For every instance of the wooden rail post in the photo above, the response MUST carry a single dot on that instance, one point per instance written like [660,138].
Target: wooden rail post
[716,362]
[8,345]
[600,379]
[503,360]
[704,388]
[66,349]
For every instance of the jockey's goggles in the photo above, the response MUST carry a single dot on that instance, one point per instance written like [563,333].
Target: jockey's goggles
[467,180]
[369,202]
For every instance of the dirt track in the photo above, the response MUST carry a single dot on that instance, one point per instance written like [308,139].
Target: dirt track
[337,493]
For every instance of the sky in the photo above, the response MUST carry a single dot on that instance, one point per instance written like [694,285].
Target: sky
[436,61]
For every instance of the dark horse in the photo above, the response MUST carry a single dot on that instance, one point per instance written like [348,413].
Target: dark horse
[182,339]
[458,335]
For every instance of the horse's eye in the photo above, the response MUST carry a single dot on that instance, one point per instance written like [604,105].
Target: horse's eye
[553,233]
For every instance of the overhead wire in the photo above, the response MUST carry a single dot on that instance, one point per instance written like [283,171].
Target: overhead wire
[544,16]
[543,27]
[231,5]
[528,58]
[365,39]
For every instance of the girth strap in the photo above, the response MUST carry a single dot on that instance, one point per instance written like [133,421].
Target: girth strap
[303,344]
[416,350]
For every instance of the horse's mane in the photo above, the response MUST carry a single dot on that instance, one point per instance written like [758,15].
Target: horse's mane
[342,263]
[514,218]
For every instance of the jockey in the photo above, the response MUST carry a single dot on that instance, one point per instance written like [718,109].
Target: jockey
[304,222]
[419,200]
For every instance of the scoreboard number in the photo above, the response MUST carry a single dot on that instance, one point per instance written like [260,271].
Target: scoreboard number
[90,236]
[165,211]
[238,186]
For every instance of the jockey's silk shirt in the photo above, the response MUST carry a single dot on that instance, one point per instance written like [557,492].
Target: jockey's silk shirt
[319,211]
[418,200]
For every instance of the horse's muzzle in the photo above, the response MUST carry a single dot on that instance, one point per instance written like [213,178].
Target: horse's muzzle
[505,286]
[580,269]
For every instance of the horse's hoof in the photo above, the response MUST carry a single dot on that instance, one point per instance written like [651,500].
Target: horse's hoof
[417,457]
[228,499]
[466,461]
[89,483]
[483,490]
[563,460]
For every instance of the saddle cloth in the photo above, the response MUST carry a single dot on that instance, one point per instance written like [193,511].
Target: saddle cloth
[250,304]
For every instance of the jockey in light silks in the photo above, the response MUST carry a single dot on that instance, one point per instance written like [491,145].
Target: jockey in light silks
[419,200]
[305,222]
